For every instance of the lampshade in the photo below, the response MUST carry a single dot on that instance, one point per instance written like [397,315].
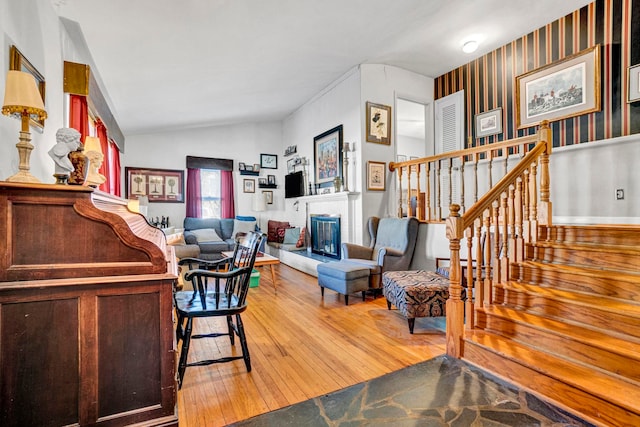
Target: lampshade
[259,202]
[21,94]
[143,204]
[91,143]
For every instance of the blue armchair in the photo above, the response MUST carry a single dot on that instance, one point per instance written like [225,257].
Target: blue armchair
[393,241]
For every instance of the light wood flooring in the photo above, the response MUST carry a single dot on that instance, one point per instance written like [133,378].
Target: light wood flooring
[301,346]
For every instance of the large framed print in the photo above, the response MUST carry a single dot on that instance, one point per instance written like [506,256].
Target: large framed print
[566,88]
[327,156]
[378,123]
[159,185]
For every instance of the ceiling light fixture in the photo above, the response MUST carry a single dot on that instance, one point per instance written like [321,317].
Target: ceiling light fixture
[470,46]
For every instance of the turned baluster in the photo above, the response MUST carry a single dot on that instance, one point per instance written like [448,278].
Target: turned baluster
[487,258]
[533,203]
[497,272]
[400,192]
[468,280]
[450,168]
[427,197]
[504,251]
[476,156]
[438,191]
[479,264]
[462,184]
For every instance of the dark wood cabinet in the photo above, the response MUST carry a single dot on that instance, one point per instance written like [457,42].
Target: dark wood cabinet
[86,329]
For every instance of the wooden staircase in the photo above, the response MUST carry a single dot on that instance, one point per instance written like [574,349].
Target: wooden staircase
[566,325]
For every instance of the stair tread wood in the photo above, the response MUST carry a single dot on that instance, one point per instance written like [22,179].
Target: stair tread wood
[600,247]
[595,337]
[626,275]
[629,308]
[606,387]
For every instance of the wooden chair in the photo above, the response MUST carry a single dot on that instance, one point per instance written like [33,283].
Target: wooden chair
[219,289]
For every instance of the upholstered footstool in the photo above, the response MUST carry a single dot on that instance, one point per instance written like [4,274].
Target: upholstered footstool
[416,293]
[343,277]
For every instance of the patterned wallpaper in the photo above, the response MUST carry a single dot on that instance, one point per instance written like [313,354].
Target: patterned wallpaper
[489,81]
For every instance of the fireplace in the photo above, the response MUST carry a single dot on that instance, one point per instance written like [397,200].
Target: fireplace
[325,235]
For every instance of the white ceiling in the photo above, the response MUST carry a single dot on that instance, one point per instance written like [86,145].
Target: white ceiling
[170,64]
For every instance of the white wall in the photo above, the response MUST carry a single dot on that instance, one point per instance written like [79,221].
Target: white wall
[337,105]
[381,84]
[33,26]
[241,143]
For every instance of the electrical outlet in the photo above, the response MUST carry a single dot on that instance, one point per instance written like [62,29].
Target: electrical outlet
[619,194]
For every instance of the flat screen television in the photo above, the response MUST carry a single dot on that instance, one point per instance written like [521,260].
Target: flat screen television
[294,185]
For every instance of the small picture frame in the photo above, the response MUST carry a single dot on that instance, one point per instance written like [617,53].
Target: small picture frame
[378,123]
[291,165]
[256,167]
[262,181]
[241,166]
[633,82]
[489,123]
[271,179]
[376,175]
[248,168]
[269,161]
[401,158]
[268,195]
[249,185]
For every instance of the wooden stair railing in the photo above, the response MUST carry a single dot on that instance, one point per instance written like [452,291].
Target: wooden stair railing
[504,218]
[422,179]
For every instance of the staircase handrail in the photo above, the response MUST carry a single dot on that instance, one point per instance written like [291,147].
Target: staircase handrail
[510,211]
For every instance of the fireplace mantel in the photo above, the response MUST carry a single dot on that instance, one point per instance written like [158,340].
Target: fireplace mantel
[342,195]
[343,204]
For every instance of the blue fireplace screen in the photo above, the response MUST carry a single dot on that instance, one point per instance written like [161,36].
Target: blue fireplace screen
[325,235]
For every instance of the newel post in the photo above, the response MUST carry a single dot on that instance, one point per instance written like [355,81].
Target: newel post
[455,305]
[544,206]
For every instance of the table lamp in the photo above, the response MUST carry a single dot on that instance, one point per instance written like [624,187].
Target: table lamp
[22,100]
[93,151]
[259,205]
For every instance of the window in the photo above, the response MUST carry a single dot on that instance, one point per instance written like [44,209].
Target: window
[210,192]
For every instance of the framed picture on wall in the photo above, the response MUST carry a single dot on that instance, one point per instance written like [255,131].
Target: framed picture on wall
[249,185]
[376,175]
[378,123]
[489,123]
[160,185]
[633,83]
[327,156]
[566,88]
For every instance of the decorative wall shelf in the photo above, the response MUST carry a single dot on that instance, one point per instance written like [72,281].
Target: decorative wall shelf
[267,186]
[252,173]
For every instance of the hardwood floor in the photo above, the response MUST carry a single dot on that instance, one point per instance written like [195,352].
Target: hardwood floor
[301,347]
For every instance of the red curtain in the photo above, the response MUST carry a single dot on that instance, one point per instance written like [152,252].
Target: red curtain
[227,208]
[105,168]
[115,177]
[79,115]
[194,196]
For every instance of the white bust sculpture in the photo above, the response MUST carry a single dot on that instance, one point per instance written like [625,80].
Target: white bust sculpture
[67,140]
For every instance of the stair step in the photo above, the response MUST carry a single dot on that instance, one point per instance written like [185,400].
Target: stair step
[593,395]
[614,234]
[623,285]
[616,257]
[585,345]
[606,313]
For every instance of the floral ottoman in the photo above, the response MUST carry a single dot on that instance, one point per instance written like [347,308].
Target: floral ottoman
[416,293]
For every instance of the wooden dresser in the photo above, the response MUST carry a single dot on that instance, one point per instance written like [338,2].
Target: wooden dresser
[86,330]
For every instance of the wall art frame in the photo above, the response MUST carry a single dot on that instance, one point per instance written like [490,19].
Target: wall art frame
[327,157]
[633,83]
[18,62]
[269,161]
[489,123]
[376,175]
[379,123]
[248,185]
[566,88]
[159,185]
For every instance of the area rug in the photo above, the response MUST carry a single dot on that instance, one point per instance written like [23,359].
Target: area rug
[439,392]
